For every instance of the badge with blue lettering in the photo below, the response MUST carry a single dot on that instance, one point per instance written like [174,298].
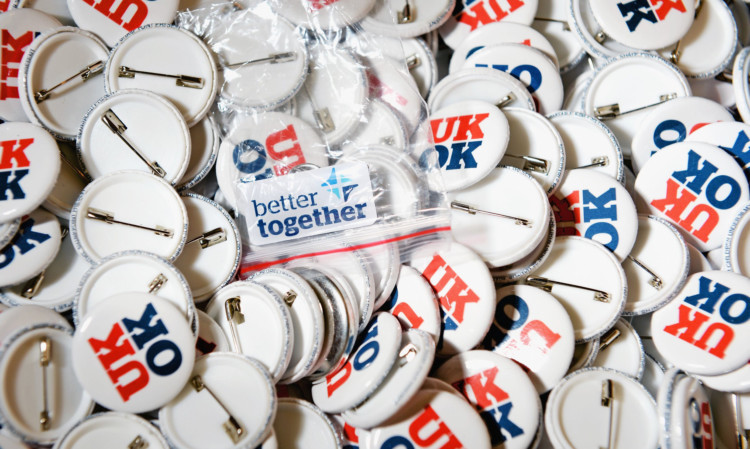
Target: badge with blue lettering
[533,329]
[41,397]
[134,352]
[414,303]
[644,24]
[697,187]
[308,203]
[704,329]
[587,30]
[596,206]
[470,139]
[673,122]
[502,393]
[18,28]
[433,419]
[266,146]
[472,15]
[484,84]
[32,249]
[465,290]
[367,367]
[732,137]
[600,407]
[685,410]
[538,72]
[29,165]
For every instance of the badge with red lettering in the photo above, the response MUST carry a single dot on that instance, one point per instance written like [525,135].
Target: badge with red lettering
[498,33]
[414,303]
[417,17]
[32,249]
[29,165]
[674,121]
[415,357]
[588,280]
[732,137]
[60,79]
[703,330]
[367,367]
[651,81]
[432,420]
[134,352]
[643,24]
[41,397]
[128,210]
[321,15]
[307,320]
[18,28]
[228,402]
[589,144]
[465,291]
[536,70]
[212,253]
[145,59]
[502,393]
[600,407]
[596,206]
[535,147]
[471,15]
[697,187]
[502,228]
[265,146]
[621,349]
[111,21]
[112,429]
[685,411]
[484,84]
[533,329]
[133,271]
[470,139]
[211,337]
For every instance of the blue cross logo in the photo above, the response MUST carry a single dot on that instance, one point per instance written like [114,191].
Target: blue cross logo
[335,184]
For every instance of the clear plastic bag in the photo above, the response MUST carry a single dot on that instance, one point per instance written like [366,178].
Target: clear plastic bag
[325,140]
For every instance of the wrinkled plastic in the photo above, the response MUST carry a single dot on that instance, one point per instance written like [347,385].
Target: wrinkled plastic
[303,96]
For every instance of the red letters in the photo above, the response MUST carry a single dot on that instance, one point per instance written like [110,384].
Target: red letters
[420,423]
[690,327]
[338,378]
[12,52]
[666,6]
[109,352]
[14,150]
[294,151]
[477,15]
[486,393]
[137,17]
[409,314]
[458,295]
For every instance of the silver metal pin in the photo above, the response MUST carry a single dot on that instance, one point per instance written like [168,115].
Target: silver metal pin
[506,100]
[533,164]
[231,426]
[85,73]
[45,356]
[193,82]
[412,62]
[157,283]
[600,36]
[566,26]
[608,400]
[116,125]
[289,297]
[274,58]
[546,285]
[322,115]
[463,207]
[609,338]
[407,354]
[740,435]
[138,443]
[109,218]
[676,53]
[233,309]
[210,238]
[655,280]
[611,111]
[73,166]
[601,161]
[407,13]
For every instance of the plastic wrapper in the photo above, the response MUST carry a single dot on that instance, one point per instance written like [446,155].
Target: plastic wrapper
[325,140]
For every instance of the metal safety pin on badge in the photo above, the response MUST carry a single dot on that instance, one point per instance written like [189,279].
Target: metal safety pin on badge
[232,308]
[674,56]
[322,115]
[275,58]
[116,125]
[210,238]
[231,426]
[601,161]
[138,443]
[655,280]
[193,82]
[608,400]
[546,285]
[85,73]
[533,164]
[45,356]
[109,218]
[463,207]
[407,13]
[612,111]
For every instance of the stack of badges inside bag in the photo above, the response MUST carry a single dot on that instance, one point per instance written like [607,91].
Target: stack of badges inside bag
[555,193]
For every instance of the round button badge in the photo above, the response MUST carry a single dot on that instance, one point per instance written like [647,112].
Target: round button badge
[621,349]
[29,165]
[204,146]
[468,17]
[736,244]
[551,21]
[485,84]
[134,352]
[32,249]
[115,429]
[414,303]
[314,426]
[685,411]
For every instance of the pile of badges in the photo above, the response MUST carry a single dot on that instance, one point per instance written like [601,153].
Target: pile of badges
[591,291]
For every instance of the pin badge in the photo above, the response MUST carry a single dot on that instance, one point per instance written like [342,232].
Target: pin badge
[620,348]
[485,84]
[684,410]
[383,126]
[414,303]
[551,21]
[407,18]
[32,249]
[316,425]
[471,17]
[122,430]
